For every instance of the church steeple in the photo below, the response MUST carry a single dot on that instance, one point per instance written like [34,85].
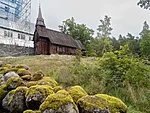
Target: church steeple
[40,20]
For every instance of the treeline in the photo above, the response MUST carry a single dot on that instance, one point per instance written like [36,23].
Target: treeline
[103,41]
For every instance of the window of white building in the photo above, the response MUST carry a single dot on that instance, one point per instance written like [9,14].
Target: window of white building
[18,36]
[23,36]
[5,33]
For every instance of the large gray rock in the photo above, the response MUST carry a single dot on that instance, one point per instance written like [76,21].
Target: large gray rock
[69,108]
[6,100]
[18,103]
[14,101]
[36,95]
[9,75]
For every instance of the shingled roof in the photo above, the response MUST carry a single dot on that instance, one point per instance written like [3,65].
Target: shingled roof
[56,37]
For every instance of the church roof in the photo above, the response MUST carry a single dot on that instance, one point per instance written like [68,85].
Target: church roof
[59,38]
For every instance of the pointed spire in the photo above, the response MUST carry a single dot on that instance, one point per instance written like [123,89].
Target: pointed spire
[40,20]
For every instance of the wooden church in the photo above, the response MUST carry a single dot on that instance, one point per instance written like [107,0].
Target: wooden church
[47,41]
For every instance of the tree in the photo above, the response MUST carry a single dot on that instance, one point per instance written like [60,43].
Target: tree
[145,40]
[144,4]
[77,31]
[104,29]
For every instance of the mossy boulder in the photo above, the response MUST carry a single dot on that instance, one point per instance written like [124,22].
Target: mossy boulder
[6,101]
[22,72]
[31,83]
[114,104]
[60,102]
[57,88]
[76,92]
[37,76]
[17,104]
[14,101]
[26,77]
[101,103]
[36,95]
[48,81]
[21,66]
[31,111]
[14,82]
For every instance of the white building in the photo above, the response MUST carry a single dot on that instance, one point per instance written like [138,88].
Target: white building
[12,33]
[14,28]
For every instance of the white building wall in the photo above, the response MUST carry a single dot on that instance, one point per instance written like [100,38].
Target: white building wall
[8,36]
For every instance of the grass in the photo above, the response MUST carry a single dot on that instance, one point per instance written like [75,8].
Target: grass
[47,64]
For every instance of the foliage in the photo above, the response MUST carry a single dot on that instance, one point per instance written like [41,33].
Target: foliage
[145,40]
[98,46]
[144,4]
[120,68]
[77,31]
[104,29]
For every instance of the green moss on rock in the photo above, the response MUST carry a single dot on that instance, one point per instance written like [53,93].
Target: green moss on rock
[102,101]
[3,70]
[14,82]
[44,89]
[31,83]
[38,75]
[14,69]
[22,72]
[31,111]
[55,101]
[57,88]
[26,77]
[22,66]
[91,102]
[3,91]
[22,89]
[76,92]
[115,104]
[47,81]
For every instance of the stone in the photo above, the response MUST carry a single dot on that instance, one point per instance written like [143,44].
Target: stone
[76,92]
[14,102]
[26,77]
[22,72]
[22,66]
[101,103]
[9,75]
[37,76]
[17,105]
[60,102]
[48,81]
[36,95]
[6,100]
[14,82]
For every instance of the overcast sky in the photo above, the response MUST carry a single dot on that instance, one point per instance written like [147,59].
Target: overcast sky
[126,16]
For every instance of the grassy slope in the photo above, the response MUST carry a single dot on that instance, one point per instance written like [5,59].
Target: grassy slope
[45,63]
